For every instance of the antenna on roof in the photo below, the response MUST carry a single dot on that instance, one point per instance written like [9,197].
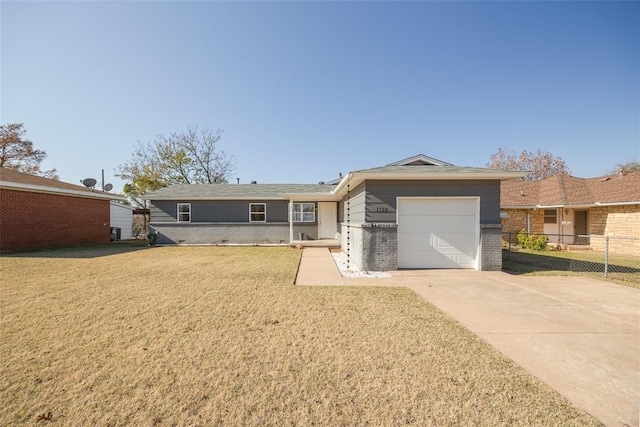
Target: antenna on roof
[107,186]
[89,183]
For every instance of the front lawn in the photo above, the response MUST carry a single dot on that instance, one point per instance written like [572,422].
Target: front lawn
[221,336]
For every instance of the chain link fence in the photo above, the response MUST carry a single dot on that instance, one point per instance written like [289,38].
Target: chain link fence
[612,256]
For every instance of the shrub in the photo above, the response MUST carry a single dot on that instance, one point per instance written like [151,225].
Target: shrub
[532,241]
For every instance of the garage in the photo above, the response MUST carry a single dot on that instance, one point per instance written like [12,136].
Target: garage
[438,232]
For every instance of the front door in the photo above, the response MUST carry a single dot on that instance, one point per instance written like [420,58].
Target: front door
[327,220]
[581,227]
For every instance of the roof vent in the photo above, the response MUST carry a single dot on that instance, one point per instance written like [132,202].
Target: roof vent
[254,182]
[321,183]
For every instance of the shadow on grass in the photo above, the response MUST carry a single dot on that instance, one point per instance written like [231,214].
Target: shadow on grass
[89,251]
[528,263]
[551,262]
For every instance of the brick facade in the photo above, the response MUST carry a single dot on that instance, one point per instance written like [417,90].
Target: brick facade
[32,220]
[223,233]
[380,247]
[517,220]
[490,257]
[620,223]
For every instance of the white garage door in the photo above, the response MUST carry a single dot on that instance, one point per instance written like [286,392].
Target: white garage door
[437,232]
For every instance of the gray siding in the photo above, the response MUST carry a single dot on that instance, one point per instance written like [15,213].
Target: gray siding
[356,205]
[381,196]
[218,210]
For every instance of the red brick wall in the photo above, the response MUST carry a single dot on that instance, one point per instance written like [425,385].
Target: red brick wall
[31,220]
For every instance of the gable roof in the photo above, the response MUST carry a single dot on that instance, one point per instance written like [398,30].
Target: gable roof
[12,179]
[430,168]
[236,191]
[419,167]
[565,190]
[419,159]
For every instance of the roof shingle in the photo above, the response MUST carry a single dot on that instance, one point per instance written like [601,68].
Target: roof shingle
[565,190]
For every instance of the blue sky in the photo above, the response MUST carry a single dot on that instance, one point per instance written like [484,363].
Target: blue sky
[305,90]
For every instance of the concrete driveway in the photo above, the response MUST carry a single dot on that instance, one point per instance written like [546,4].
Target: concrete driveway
[580,336]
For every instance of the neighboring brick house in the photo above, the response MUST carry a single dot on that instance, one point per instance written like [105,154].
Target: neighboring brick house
[570,209]
[39,213]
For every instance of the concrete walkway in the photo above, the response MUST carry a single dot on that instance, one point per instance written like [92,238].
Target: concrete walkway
[580,336]
[317,268]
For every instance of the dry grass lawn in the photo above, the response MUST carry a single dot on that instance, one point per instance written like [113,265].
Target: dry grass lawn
[111,336]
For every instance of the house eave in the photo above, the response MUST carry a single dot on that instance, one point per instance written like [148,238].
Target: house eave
[215,198]
[311,197]
[571,206]
[356,178]
[60,191]
[637,202]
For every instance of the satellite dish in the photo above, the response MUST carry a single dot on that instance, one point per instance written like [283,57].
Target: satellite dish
[89,182]
[108,187]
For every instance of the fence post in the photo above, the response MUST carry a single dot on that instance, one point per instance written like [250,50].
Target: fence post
[509,246]
[606,256]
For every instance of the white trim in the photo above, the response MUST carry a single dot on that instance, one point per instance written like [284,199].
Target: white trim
[263,213]
[178,213]
[310,197]
[330,208]
[290,221]
[582,206]
[598,204]
[223,198]
[55,190]
[302,221]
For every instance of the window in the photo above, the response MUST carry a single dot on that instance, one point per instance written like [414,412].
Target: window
[257,212]
[550,216]
[184,212]
[304,212]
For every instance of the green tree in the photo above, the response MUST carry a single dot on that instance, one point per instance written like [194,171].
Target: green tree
[190,157]
[17,152]
[540,164]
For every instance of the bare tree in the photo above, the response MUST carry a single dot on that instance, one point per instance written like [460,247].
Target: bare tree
[625,168]
[17,152]
[191,157]
[540,164]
